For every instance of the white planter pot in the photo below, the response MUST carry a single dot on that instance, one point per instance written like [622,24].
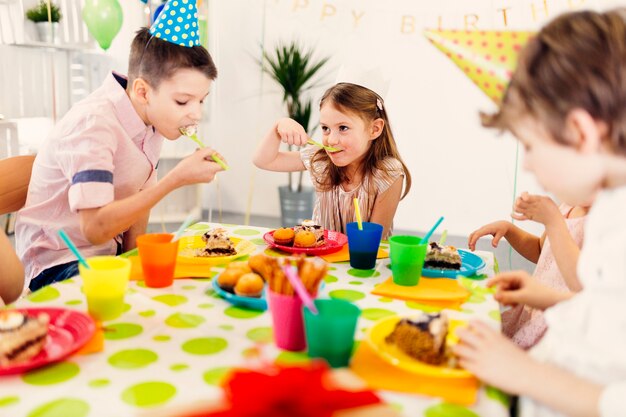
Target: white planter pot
[45,34]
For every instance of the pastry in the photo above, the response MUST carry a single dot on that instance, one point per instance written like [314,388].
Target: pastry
[284,236]
[217,243]
[228,279]
[21,336]
[305,239]
[422,338]
[249,285]
[442,257]
[316,229]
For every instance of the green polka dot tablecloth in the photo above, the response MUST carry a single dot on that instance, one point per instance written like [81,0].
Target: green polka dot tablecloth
[173,346]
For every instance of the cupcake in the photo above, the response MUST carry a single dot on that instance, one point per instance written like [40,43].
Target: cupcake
[284,236]
[249,285]
[305,239]
[228,279]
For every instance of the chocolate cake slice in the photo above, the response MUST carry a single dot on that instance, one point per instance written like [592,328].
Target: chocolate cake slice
[422,338]
[217,243]
[442,257]
[21,336]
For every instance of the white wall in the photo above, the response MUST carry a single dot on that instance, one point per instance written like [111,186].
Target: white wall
[460,170]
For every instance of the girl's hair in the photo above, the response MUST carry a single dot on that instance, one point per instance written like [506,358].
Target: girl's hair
[363,102]
[577,61]
[155,60]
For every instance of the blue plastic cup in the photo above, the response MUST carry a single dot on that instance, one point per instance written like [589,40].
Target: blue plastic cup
[363,244]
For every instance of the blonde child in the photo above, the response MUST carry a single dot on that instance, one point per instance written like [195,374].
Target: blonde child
[567,105]
[555,253]
[95,176]
[11,272]
[367,165]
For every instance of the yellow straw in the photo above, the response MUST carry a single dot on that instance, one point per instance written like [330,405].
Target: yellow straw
[357,213]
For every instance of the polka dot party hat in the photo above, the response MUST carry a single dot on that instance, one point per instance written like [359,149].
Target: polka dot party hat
[178,23]
[488,58]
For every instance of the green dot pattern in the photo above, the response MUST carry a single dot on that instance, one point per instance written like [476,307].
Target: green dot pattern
[242,313]
[44,295]
[215,376]
[132,358]
[53,374]
[348,295]
[148,394]
[171,300]
[363,273]
[64,407]
[184,321]
[8,401]
[119,331]
[329,279]
[99,383]
[423,307]
[260,334]
[161,338]
[449,410]
[205,345]
[376,313]
[246,232]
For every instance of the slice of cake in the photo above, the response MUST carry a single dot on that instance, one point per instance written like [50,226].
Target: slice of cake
[442,257]
[316,229]
[21,336]
[422,338]
[217,243]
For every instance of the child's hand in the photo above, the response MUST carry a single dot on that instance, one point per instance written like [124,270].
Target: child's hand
[198,167]
[535,207]
[518,287]
[497,230]
[493,358]
[291,132]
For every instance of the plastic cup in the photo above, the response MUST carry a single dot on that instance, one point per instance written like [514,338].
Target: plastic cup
[287,321]
[330,334]
[104,285]
[363,244]
[407,259]
[158,258]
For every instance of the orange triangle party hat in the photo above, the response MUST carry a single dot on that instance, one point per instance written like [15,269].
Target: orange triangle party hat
[488,58]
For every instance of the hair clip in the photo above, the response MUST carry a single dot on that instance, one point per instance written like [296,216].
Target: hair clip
[379,104]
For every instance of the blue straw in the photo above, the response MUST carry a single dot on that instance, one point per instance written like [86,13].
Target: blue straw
[431,231]
[182,227]
[73,248]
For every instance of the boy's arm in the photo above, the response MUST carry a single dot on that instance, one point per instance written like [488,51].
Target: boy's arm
[267,155]
[99,225]
[386,204]
[137,229]
[566,252]
[11,271]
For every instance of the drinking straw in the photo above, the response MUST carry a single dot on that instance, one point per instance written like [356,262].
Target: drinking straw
[73,248]
[357,213]
[299,287]
[182,227]
[431,231]
[444,236]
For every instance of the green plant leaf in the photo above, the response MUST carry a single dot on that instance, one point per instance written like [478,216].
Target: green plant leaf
[39,12]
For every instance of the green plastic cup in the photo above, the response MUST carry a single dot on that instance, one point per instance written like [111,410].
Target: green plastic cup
[330,334]
[407,259]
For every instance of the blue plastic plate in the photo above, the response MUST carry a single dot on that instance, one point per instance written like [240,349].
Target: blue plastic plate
[470,264]
[252,303]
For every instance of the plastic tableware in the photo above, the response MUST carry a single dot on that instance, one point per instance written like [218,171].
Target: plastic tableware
[104,284]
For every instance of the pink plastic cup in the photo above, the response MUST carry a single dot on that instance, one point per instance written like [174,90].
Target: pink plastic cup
[287,321]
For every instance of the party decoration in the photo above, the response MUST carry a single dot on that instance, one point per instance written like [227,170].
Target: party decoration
[178,23]
[157,12]
[488,58]
[104,20]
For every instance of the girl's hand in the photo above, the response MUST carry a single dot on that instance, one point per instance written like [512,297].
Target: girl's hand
[291,132]
[518,287]
[497,230]
[537,208]
[493,358]
[198,167]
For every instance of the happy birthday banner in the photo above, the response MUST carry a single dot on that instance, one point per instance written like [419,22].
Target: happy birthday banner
[411,17]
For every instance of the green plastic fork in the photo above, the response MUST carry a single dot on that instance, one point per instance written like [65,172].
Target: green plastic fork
[321,145]
[194,137]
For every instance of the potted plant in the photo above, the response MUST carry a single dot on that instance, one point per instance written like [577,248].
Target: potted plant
[46,20]
[294,69]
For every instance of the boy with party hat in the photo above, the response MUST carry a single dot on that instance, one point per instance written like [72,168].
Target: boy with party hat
[95,176]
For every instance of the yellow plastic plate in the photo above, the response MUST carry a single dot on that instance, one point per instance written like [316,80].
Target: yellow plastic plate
[189,244]
[390,353]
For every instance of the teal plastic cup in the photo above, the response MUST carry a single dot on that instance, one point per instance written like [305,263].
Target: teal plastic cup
[330,334]
[407,259]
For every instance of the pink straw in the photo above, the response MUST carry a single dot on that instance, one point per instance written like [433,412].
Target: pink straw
[299,287]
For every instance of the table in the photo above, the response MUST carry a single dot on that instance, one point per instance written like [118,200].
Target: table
[172,346]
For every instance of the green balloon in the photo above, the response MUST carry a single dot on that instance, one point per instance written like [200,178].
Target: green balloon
[103,19]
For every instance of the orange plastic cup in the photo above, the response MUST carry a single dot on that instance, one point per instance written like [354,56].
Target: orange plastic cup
[158,258]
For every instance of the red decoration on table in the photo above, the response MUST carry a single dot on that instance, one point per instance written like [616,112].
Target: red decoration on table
[280,391]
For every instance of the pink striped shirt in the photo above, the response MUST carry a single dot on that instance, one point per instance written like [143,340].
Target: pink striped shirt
[99,152]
